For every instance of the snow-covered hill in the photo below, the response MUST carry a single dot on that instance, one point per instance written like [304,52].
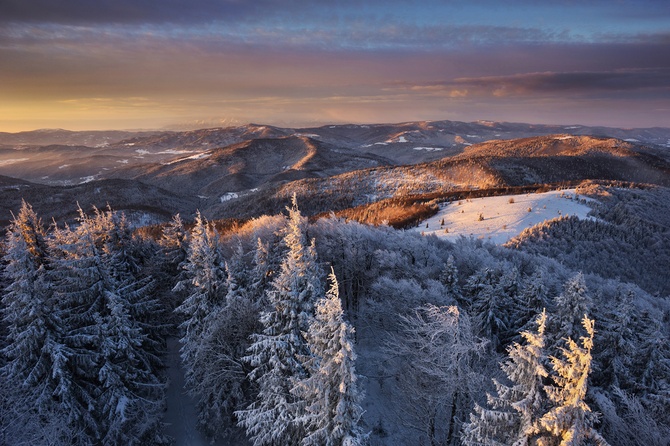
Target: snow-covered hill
[501,218]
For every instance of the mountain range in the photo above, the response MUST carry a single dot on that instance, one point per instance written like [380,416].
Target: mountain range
[245,171]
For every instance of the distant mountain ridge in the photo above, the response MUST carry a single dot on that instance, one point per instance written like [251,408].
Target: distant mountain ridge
[351,135]
[46,137]
[244,171]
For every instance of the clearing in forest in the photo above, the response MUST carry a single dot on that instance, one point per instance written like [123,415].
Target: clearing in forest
[501,218]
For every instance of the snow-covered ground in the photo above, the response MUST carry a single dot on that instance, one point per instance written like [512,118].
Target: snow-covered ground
[502,219]
[228,196]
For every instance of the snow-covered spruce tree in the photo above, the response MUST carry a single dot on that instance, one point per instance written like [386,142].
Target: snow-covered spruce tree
[113,376]
[330,394]
[27,301]
[532,298]
[277,353]
[35,375]
[261,272]
[449,278]
[21,424]
[491,306]
[205,273]
[123,254]
[219,375]
[514,412]
[571,306]
[653,366]
[439,351]
[570,421]
[615,358]
[119,248]
[174,243]
[237,275]
[626,421]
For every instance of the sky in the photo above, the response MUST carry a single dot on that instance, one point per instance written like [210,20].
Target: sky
[146,64]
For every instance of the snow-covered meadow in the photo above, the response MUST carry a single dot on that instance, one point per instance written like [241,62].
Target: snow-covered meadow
[501,218]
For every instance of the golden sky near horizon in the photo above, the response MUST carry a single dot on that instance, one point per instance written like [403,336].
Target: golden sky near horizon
[79,65]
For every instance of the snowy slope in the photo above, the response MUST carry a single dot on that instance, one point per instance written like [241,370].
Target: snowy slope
[502,219]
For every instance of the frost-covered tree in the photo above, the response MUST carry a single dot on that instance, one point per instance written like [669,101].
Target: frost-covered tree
[123,254]
[174,246]
[440,353]
[27,301]
[174,241]
[131,393]
[627,421]
[277,353]
[515,409]
[237,275]
[653,361]
[206,285]
[330,394]
[570,421]
[571,305]
[113,375]
[491,305]
[119,249]
[534,291]
[261,272]
[616,355]
[533,298]
[21,424]
[449,277]
[37,375]
[219,379]
[219,375]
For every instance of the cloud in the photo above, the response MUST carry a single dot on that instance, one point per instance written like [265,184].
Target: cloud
[370,35]
[263,58]
[372,23]
[129,11]
[179,11]
[553,83]
[176,11]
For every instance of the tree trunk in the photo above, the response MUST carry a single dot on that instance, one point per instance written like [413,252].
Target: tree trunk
[452,420]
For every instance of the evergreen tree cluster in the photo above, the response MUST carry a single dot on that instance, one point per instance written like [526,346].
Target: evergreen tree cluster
[530,412]
[632,226]
[81,360]
[263,346]
[480,302]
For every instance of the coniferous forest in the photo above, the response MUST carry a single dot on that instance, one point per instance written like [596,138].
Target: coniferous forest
[334,223]
[331,332]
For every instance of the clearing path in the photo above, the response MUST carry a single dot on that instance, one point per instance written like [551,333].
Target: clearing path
[501,218]
[181,416]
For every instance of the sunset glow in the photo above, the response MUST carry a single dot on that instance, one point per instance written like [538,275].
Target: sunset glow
[99,65]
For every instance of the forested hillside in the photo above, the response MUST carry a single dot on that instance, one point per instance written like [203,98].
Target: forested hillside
[334,332]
